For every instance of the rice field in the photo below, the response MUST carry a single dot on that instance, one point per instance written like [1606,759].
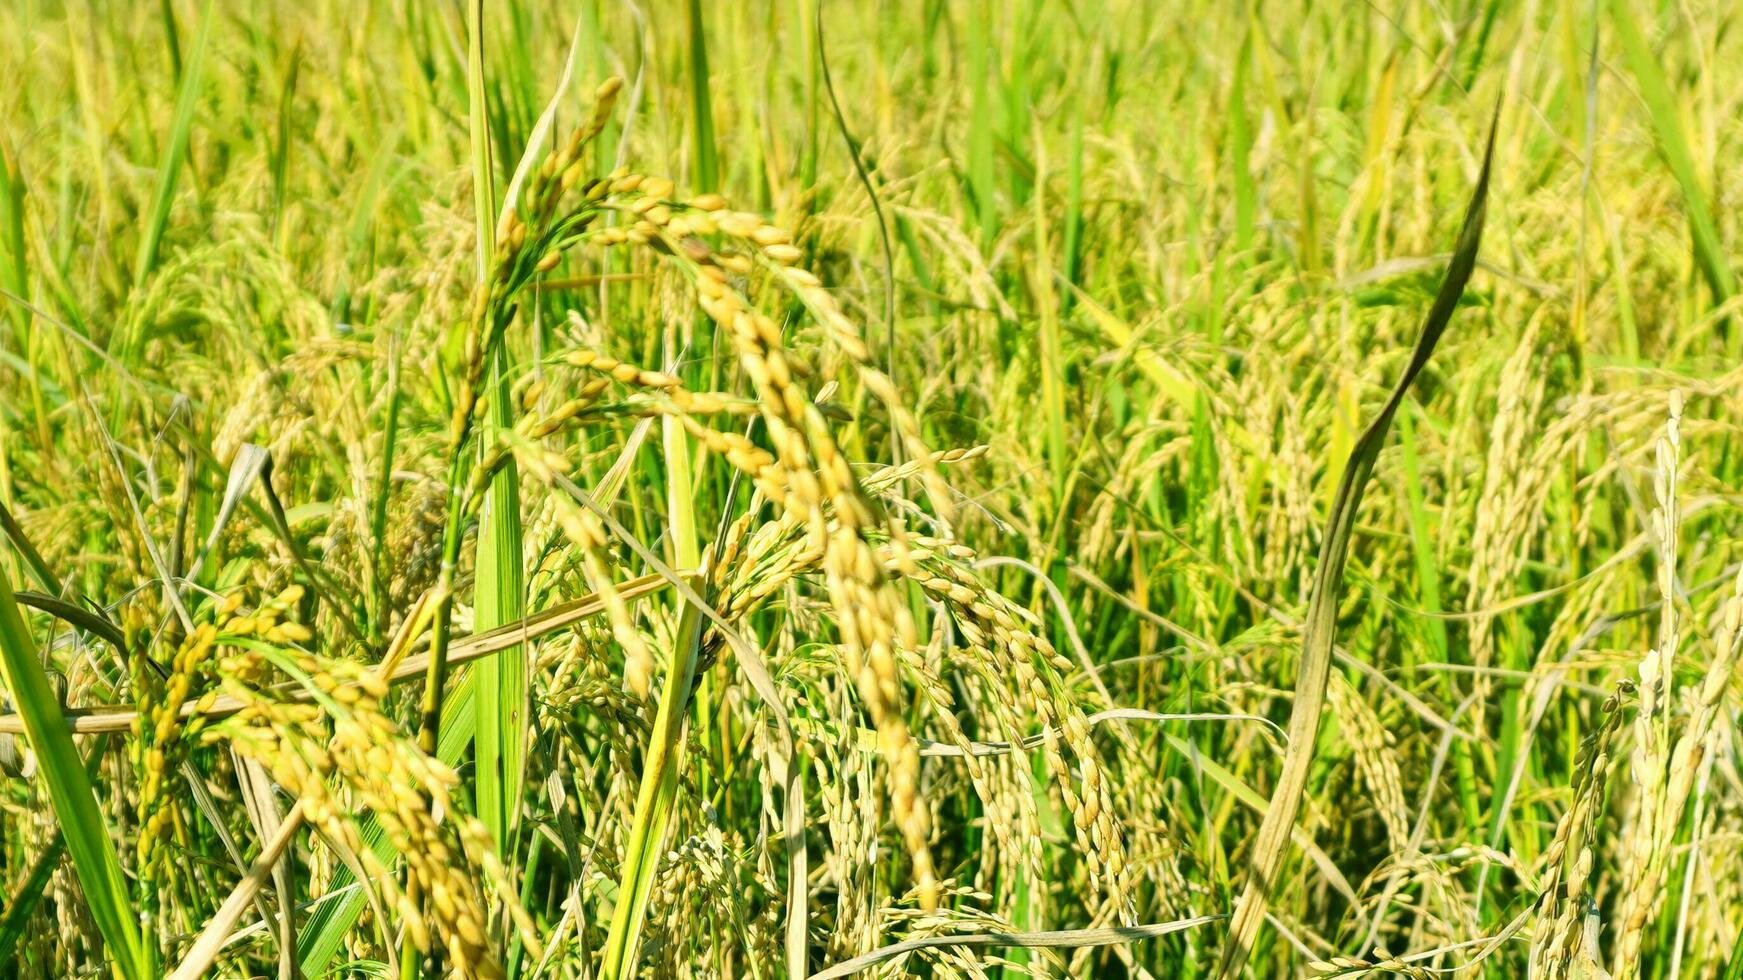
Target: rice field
[942,488]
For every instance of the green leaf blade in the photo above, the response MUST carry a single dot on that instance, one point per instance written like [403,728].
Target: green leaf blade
[1319,629]
[69,789]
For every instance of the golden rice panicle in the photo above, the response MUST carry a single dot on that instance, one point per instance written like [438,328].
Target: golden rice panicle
[158,744]
[1504,516]
[873,623]
[845,335]
[1561,902]
[449,858]
[1647,844]
[529,241]
[642,200]
[622,372]
[563,169]
[1355,967]
[161,732]
[817,484]
[1695,747]
[1375,757]
[991,622]
[777,552]
[850,819]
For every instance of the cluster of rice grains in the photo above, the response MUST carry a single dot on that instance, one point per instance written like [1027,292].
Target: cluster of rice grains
[828,521]
[809,478]
[327,740]
[340,754]
[1014,683]
[335,745]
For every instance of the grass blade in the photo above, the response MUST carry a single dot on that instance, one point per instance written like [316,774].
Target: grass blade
[1241,150]
[170,167]
[282,140]
[980,121]
[499,597]
[1320,627]
[653,810]
[14,262]
[499,588]
[1662,106]
[69,790]
[707,174]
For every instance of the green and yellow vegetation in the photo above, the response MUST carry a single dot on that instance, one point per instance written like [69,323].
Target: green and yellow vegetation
[983,488]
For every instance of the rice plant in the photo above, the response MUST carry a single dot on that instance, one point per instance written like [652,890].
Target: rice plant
[596,489]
